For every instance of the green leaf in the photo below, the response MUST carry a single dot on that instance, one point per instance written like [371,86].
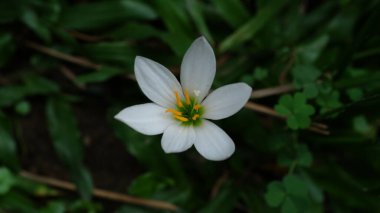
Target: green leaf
[315,192]
[296,186]
[101,14]
[101,75]
[309,53]
[11,94]
[115,53]
[64,131]
[54,207]
[355,94]
[296,110]
[275,194]
[178,24]
[35,84]
[82,179]
[260,73]
[361,125]
[178,42]
[289,206]
[310,90]
[328,99]
[22,108]
[15,201]
[147,184]
[305,76]
[6,180]
[31,19]
[33,188]
[195,10]
[293,122]
[304,157]
[233,11]
[283,110]
[67,142]
[249,29]
[173,16]
[286,101]
[84,206]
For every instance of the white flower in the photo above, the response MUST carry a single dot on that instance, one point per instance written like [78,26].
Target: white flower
[180,112]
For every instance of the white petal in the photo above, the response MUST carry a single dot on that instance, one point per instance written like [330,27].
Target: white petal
[148,119]
[226,101]
[212,142]
[156,82]
[177,138]
[198,68]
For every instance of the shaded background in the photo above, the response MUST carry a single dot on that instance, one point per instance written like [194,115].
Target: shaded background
[306,142]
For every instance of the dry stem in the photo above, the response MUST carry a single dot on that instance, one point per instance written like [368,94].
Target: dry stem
[101,193]
[54,53]
[272,91]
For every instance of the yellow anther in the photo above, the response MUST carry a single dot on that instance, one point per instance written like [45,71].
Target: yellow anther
[175,112]
[178,100]
[181,118]
[197,106]
[187,97]
[195,117]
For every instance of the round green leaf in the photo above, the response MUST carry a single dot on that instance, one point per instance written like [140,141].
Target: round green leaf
[304,156]
[294,185]
[292,122]
[22,108]
[275,194]
[6,180]
[288,206]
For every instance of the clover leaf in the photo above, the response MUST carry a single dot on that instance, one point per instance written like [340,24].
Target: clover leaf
[260,74]
[296,110]
[305,76]
[275,194]
[6,180]
[328,99]
[292,194]
[355,94]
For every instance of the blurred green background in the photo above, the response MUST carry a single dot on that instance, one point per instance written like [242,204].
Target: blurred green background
[66,68]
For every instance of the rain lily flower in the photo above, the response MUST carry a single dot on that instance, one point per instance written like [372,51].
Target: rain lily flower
[182,111]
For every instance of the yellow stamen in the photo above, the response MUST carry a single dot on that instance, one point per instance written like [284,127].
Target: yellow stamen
[195,117]
[197,106]
[179,103]
[181,118]
[175,112]
[187,97]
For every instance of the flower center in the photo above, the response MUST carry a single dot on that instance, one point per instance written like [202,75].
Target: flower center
[187,111]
